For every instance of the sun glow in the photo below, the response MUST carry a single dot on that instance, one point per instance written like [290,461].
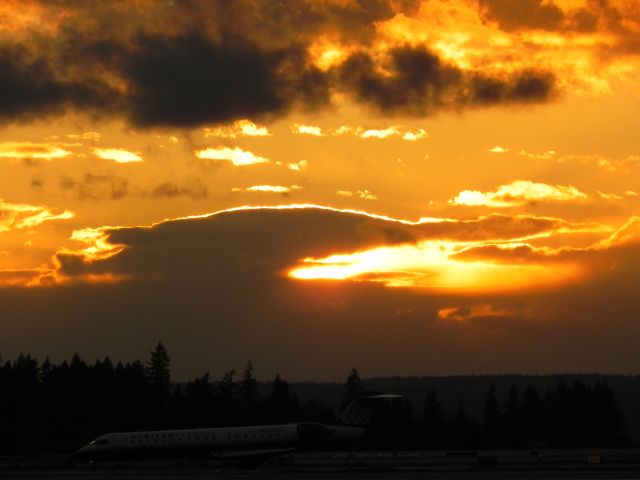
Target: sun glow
[326,53]
[430,264]
[97,241]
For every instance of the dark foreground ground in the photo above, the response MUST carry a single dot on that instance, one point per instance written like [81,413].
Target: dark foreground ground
[525,465]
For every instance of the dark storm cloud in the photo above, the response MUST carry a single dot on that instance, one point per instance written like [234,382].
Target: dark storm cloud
[110,186]
[512,15]
[96,187]
[195,190]
[262,241]
[528,86]
[189,63]
[188,81]
[268,240]
[31,88]
[179,81]
[418,81]
[619,20]
[497,227]
[212,290]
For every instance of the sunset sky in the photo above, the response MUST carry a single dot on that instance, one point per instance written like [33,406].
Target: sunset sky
[412,187]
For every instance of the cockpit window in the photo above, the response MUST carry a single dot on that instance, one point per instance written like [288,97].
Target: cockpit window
[100,441]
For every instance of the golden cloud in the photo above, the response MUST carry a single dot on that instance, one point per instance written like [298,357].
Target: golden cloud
[393,131]
[401,57]
[240,128]
[548,155]
[32,151]
[118,155]
[363,194]
[16,216]
[499,149]
[268,188]
[612,165]
[236,155]
[91,136]
[313,130]
[517,193]
[36,277]
[298,166]
[471,312]
[589,45]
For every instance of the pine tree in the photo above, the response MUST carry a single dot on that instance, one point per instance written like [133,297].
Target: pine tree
[491,413]
[511,420]
[225,393]
[158,371]
[353,387]
[249,393]
[530,416]
[432,421]
[464,428]
[248,386]
[282,405]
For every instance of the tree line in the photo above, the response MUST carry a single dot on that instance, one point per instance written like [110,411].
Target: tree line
[56,407]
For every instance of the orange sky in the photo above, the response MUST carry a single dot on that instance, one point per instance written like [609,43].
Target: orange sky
[469,167]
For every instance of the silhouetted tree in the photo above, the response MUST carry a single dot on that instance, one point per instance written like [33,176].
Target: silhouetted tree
[609,426]
[511,430]
[248,391]
[432,421]
[225,399]
[464,431]
[198,402]
[158,371]
[51,407]
[281,406]
[353,388]
[529,417]
[555,431]
[490,415]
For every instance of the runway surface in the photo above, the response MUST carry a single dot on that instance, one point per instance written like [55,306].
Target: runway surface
[186,475]
[457,465]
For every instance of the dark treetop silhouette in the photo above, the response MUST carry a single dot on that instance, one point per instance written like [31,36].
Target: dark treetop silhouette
[47,408]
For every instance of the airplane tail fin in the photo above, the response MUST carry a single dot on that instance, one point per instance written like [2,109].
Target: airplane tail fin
[360,412]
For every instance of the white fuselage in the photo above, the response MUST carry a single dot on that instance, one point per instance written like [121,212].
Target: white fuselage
[235,441]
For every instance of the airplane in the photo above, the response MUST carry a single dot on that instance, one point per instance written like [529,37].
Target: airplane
[249,445]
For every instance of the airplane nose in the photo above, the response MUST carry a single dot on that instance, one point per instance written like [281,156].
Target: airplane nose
[82,451]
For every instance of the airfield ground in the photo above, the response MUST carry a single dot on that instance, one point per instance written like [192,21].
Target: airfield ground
[459,465]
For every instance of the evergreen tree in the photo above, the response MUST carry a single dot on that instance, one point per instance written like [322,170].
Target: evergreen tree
[432,421]
[281,405]
[609,425]
[353,388]
[463,433]
[490,414]
[529,417]
[199,398]
[225,399]
[158,371]
[511,421]
[249,386]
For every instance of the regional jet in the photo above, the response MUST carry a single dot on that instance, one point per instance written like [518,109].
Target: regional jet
[249,445]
